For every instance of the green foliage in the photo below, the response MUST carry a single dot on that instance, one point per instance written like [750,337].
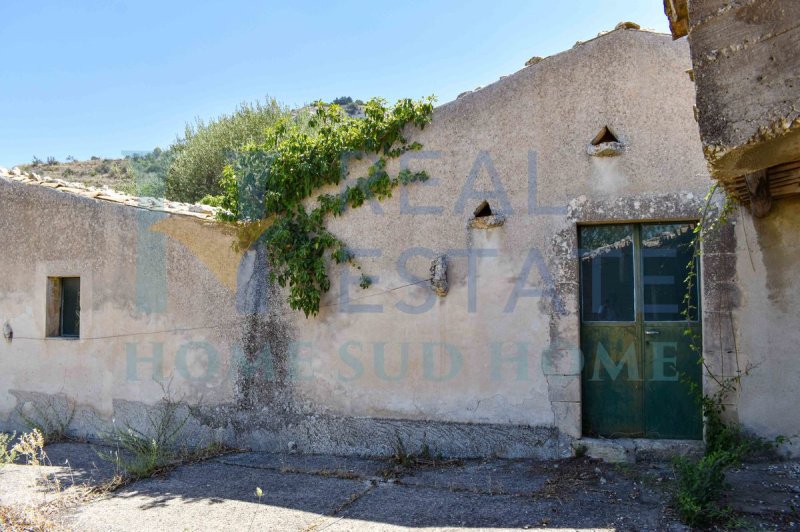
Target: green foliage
[709,224]
[401,457]
[581,451]
[348,105]
[214,201]
[104,167]
[724,436]
[403,460]
[8,452]
[205,148]
[148,172]
[142,453]
[272,180]
[31,447]
[701,483]
[51,417]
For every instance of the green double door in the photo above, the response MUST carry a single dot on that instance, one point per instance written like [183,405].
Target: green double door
[639,331]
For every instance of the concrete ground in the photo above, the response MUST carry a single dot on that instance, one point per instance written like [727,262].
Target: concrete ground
[335,494]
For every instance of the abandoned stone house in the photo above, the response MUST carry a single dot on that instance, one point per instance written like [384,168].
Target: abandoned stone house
[563,199]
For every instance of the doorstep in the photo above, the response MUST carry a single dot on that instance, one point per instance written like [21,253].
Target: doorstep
[627,450]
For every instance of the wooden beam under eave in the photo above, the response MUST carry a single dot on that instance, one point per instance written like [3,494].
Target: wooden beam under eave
[784,182]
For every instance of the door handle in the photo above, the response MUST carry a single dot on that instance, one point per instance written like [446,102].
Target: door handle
[651,332]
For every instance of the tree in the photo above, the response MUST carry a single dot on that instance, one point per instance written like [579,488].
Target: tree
[205,148]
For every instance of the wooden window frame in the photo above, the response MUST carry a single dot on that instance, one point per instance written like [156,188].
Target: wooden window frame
[54,313]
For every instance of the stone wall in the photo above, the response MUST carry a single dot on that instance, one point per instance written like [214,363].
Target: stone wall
[490,366]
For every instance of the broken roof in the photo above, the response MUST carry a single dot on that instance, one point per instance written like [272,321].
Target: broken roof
[16,175]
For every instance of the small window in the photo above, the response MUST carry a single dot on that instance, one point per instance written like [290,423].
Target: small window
[63,307]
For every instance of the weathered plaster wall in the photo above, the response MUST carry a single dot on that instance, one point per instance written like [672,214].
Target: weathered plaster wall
[491,356]
[143,295]
[767,321]
[492,367]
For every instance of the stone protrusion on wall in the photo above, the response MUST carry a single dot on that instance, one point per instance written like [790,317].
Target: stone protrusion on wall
[721,298]
[605,149]
[484,218]
[487,222]
[8,333]
[439,275]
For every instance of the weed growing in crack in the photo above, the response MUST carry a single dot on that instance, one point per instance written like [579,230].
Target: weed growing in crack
[8,452]
[25,518]
[581,450]
[142,453]
[31,447]
[154,449]
[51,416]
[403,461]
[259,494]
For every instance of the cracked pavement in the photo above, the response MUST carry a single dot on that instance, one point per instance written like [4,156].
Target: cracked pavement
[332,493]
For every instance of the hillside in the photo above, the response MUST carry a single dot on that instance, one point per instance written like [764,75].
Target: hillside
[121,175]
[97,172]
[194,161]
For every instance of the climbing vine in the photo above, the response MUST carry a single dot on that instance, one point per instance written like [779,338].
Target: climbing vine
[269,188]
[701,483]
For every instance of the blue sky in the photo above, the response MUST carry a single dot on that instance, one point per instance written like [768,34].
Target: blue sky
[99,77]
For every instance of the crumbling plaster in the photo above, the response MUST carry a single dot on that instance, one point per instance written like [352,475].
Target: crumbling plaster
[378,364]
[766,321]
[530,130]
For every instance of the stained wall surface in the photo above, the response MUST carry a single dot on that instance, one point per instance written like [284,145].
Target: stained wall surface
[492,367]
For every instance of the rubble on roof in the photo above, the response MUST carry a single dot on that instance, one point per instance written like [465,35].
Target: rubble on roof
[627,25]
[533,60]
[16,175]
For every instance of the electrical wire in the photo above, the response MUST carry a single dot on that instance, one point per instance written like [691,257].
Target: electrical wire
[221,325]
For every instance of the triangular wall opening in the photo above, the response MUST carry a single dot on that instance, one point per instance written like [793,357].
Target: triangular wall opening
[483,210]
[605,135]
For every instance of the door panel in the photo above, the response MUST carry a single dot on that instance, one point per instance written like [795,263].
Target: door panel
[671,358]
[670,363]
[612,381]
[638,360]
